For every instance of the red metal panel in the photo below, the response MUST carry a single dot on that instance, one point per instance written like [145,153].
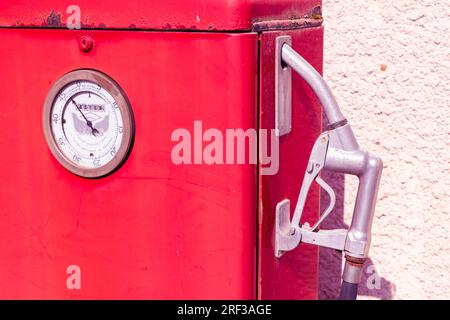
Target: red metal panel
[295,275]
[156,14]
[152,229]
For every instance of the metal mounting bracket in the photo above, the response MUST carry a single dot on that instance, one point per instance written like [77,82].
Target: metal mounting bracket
[286,238]
[283,90]
[288,235]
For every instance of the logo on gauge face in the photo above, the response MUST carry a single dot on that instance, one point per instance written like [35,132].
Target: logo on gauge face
[99,123]
[92,107]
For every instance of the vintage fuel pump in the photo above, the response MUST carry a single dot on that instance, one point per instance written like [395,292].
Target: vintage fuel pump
[108,185]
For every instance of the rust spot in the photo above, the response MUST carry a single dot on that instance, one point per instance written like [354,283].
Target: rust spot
[18,24]
[357,262]
[54,20]
[286,24]
[315,13]
[383,67]
[313,18]
[85,25]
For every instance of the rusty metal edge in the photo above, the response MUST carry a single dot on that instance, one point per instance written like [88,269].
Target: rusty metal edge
[273,25]
[312,19]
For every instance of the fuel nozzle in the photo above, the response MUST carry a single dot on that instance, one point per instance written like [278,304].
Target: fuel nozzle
[336,149]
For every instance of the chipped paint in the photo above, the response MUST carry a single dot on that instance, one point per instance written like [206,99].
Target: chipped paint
[286,24]
[53,20]
[312,19]
[293,20]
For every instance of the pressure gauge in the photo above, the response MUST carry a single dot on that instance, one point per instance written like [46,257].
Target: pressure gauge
[88,123]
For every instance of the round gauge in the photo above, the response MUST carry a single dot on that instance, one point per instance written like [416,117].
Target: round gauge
[88,123]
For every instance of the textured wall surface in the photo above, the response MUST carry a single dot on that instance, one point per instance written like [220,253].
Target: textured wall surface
[388,63]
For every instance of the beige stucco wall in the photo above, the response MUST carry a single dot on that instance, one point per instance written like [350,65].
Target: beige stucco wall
[401,114]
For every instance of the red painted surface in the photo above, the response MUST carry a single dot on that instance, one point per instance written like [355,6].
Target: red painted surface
[295,274]
[152,229]
[155,14]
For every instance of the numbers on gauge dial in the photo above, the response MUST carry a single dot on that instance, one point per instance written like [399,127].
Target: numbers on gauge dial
[87,124]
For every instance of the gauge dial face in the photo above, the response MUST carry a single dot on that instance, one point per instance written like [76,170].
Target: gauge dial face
[88,123]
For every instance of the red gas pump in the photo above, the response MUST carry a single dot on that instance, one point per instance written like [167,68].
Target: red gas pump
[109,188]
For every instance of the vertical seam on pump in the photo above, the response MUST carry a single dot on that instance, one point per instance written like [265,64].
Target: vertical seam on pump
[258,173]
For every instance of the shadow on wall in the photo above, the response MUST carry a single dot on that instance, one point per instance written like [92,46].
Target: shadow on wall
[330,261]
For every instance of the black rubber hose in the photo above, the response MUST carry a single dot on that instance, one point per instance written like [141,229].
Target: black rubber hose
[349,291]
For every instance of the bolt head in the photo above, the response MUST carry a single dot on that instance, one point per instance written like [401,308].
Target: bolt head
[86,44]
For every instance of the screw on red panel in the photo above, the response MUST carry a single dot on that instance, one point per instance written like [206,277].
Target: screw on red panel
[86,43]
